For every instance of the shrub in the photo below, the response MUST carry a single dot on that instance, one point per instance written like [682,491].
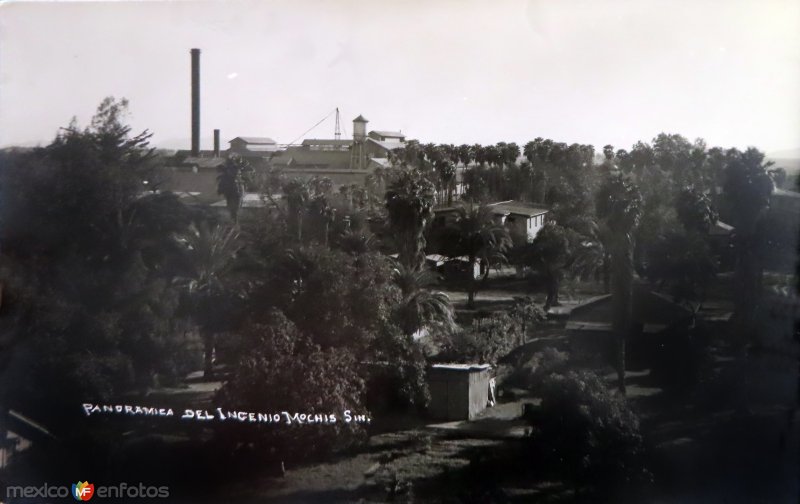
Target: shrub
[588,433]
[398,380]
[534,373]
[488,339]
[281,369]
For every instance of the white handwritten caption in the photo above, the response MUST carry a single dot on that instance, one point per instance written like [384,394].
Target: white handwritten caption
[221,415]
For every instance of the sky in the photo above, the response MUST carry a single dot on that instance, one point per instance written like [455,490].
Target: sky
[445,71]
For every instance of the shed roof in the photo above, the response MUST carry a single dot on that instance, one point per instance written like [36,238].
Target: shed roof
[250,200]
[785,193]
[462,367]
[720,229]
[516,208]
[654,311]
[202,162]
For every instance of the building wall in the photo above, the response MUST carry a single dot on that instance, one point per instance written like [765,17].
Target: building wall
[519,226]
[458,394]
[534,225]
[337,177]
[183,179]
[478,392]
[449,393]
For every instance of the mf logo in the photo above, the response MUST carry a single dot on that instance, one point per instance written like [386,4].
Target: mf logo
[82,491]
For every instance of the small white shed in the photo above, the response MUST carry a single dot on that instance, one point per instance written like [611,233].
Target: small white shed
[458,391]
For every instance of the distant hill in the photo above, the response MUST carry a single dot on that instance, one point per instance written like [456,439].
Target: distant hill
[790,165]
[788,159]
[18,148]
[785,154]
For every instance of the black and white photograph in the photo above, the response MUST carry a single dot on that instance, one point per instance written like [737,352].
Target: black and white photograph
[443,251]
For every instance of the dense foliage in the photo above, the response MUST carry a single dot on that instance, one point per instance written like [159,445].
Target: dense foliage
[93,259]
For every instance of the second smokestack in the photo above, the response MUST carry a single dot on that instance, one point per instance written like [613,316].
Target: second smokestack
[195,102]
[216,143]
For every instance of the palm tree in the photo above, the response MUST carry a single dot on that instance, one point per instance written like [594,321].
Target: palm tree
[325,213]
[746,191]
[346,192]
[482,240]
[231,183]
[209,252]
[297,196]
[591,257]
[466,154]
[356,242]
[549,255]
[446,171]
[619,204]
[419,305]
[409,201]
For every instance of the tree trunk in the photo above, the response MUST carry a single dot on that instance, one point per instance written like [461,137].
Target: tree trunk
[552,290]
[233,208]
[299,227]
[748,277]
[621,299]
[471,293]
[606,273]
[208,355]
[472,284]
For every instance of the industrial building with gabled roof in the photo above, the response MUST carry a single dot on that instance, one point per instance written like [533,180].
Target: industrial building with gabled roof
[253,146]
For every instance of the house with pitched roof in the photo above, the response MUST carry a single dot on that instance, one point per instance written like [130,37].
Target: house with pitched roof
[523,220]
[253,147]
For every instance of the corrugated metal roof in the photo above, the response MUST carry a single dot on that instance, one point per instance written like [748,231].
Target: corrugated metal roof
[383,162]
[322,141]
[391,134]
[389,146]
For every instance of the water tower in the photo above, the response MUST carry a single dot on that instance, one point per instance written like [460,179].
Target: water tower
[358,157]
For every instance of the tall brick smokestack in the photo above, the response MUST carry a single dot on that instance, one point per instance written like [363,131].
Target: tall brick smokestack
[216,143]
[195,102]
